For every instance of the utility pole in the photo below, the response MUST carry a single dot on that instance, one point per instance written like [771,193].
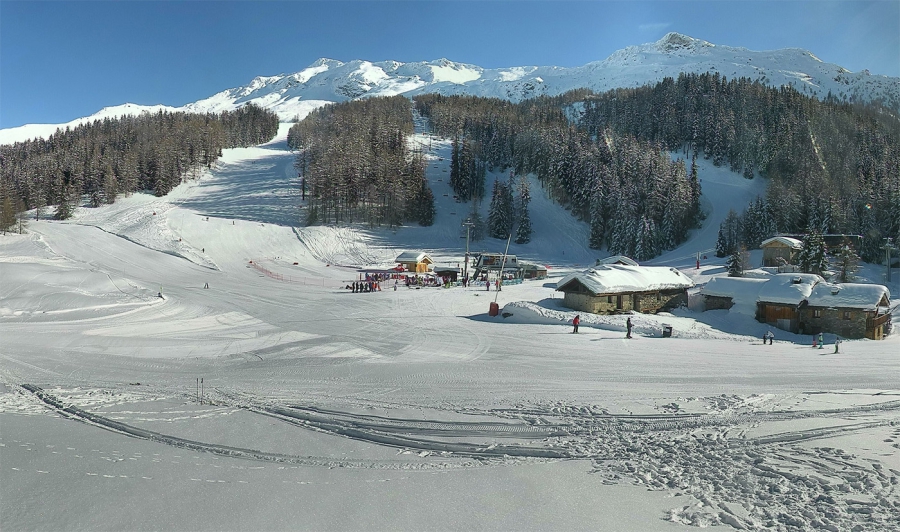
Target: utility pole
[468,225]
[888,246]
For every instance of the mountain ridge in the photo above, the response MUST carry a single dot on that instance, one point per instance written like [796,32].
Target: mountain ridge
[327,80]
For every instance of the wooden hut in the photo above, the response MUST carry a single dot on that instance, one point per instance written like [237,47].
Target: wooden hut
[415,261]
[533,271]
[780,250]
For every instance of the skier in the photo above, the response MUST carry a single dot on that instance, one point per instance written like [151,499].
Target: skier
[575,323]
[821,341]
[837,345]
[487,285]
[770,335]
[395,285]
[628,327]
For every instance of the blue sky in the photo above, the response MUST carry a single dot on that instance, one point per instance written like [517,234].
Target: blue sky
[64,60]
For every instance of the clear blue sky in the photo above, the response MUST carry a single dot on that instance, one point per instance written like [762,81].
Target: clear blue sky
[64,60]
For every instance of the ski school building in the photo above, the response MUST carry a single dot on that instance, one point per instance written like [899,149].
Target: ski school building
[616,288]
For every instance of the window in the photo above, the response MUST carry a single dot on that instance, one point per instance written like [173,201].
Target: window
[609,299]
[817,313]
[658,297]
[847,314]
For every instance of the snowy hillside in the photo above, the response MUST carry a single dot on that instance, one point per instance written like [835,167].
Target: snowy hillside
[328,80]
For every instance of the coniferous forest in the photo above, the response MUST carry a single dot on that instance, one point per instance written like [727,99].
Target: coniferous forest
[357,166]
[834,167]
[106,158]
[638,201]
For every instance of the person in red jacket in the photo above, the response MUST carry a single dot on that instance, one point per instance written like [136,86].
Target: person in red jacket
[575,323]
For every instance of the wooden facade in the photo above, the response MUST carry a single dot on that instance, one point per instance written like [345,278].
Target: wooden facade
[783,316]
[778,251]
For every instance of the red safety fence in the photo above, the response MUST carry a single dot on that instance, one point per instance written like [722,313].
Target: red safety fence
[313,281]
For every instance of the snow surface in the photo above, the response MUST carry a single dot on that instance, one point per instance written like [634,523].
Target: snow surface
[411,409]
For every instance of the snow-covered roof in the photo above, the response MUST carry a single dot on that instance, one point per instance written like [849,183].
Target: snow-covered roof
[413,256]
[785,240]
[618,259]
[788,288]
[849,295]
[619,278]
[737,288]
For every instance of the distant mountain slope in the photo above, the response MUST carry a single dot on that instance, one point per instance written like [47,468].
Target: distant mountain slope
[328,80]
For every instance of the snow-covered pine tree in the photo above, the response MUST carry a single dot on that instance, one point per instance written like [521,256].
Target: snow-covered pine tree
[847,262]
[598,221]
[738,261]
[813,257]
[523,230]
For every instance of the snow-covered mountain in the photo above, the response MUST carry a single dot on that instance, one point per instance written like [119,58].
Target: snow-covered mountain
[328,80]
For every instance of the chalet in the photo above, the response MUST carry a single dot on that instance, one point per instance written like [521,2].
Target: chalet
[614,288]
[533,271]
[851,310]
[617,259]
[414,261]
[781,296]
[780,250]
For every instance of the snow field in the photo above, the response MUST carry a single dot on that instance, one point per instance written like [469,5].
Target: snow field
[413,405]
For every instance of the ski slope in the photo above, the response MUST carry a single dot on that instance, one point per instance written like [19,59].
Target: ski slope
[413,406]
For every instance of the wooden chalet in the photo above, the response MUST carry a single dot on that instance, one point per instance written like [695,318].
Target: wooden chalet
[415,261]
[850,310]
[533,271]
[615,288]
[780,250]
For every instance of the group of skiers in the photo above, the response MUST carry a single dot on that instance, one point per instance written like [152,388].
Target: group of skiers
[364,286]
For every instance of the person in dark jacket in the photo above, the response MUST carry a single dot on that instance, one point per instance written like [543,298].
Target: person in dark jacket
[628,327]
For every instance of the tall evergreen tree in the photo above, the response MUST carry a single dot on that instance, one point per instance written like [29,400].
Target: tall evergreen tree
[847,262]
[813,257]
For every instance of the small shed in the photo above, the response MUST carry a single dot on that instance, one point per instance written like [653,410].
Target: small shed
[448,272]
[780,250]
[533,271]
[851,310]
[614,288]
[781,297]
[415,261]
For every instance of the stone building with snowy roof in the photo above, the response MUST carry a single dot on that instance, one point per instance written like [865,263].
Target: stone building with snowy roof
[850,310]
[615,288]
[804,303]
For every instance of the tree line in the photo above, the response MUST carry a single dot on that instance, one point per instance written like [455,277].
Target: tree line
[834,167]
[357,165]
[105,158]
[637,200]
